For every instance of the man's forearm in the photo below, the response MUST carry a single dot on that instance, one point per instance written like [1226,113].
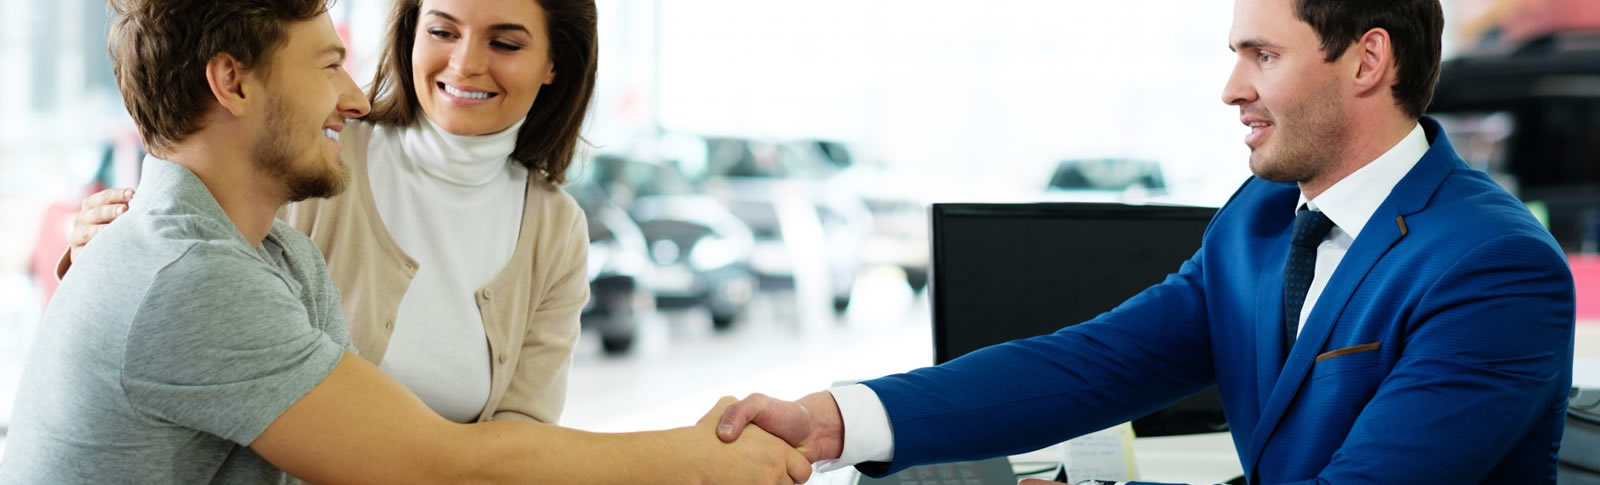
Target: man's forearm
[521,452]
[359,425]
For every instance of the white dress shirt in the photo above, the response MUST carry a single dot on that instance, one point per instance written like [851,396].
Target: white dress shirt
[454,204]
[1349,203]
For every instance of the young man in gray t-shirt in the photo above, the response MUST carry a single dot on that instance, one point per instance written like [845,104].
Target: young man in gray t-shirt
[200,341]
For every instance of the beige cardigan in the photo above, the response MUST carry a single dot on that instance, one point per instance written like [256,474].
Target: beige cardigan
[530,310]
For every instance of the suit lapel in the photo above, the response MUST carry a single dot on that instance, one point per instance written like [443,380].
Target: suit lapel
[1269,327]
[1381,234]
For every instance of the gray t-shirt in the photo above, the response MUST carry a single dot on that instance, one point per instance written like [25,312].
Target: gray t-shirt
[171,345]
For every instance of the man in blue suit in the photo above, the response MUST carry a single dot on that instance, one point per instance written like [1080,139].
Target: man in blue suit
[1373,310]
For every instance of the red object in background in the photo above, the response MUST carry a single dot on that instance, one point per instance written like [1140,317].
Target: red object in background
[118,165]
[51,243]
[1586,276]
[1538,17]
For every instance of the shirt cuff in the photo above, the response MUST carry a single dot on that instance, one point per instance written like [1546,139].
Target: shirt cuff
[867,434]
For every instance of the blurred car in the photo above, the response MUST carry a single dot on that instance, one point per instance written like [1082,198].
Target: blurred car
[836,153]
[618,266]
[701,258]
[898,200]
[781,190]
[1120,180]
[1531,118]
[701,251]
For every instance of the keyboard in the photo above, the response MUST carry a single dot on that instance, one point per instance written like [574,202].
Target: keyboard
[993,471]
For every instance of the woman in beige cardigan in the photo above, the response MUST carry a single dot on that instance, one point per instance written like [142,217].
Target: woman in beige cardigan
[460,260]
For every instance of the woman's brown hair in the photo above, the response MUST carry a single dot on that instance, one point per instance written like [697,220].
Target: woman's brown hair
[549,138]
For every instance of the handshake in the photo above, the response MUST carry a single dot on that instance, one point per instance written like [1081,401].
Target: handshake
[786,439]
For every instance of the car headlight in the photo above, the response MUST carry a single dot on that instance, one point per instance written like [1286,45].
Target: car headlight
[665,251]
[713,252]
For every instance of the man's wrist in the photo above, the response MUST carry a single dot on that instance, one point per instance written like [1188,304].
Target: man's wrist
[827,424]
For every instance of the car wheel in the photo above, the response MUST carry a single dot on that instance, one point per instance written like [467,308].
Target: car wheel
[722,323]
[917,278]
[616,344]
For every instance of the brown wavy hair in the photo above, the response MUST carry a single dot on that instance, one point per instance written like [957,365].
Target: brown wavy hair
[159,50]
[549,138]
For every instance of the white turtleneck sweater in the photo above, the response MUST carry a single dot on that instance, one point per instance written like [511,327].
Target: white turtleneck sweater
[454,204]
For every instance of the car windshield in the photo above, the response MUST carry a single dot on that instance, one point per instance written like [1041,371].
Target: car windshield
[640,179]
[734,157]
[1107,174]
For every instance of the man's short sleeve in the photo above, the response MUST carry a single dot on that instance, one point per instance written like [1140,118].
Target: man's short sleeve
[221,344]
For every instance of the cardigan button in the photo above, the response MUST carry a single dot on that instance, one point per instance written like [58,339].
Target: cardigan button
[502,358]
[487,294]
[389,325]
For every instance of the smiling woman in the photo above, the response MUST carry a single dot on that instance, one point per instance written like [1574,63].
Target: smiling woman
[475,67]
[460,261]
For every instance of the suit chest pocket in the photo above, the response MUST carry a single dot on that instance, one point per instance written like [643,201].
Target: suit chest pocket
[1348,372]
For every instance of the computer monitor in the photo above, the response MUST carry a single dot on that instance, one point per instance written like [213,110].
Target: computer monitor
[1001,272]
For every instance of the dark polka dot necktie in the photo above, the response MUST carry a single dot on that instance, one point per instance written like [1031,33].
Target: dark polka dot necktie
[1310,227]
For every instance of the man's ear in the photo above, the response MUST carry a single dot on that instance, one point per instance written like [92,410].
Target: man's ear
[1375,65]
[227,77]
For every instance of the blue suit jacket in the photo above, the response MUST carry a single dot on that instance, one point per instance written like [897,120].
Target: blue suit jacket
[1439,352]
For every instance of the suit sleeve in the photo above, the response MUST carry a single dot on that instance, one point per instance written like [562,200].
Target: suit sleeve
[1489,354]
[1023,395]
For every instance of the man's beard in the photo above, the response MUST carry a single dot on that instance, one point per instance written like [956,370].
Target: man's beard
[1310,144]
[274,156]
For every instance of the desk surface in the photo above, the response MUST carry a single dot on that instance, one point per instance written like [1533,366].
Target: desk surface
[1203,458]
[1586,372]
